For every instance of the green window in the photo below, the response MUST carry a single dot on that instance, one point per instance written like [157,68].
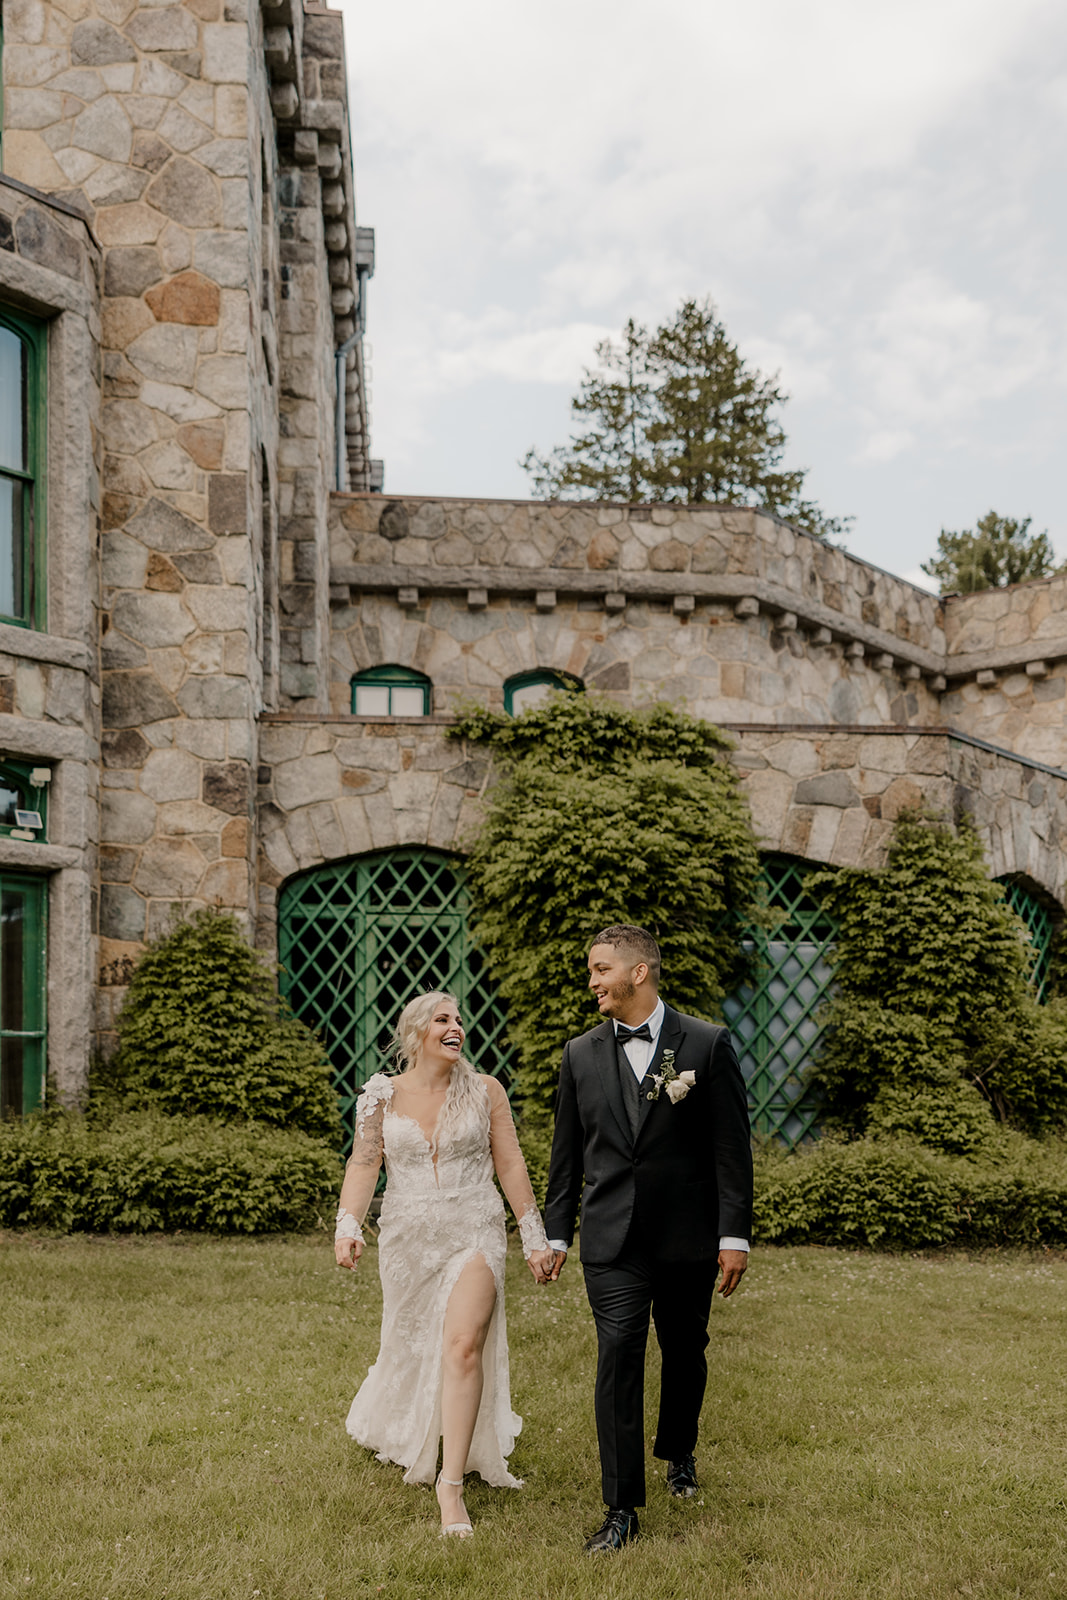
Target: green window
[392,692]
[24,800]
[23,923]
[22,461]
[1039,912]
[528,689]
[358,939]
[775,1020]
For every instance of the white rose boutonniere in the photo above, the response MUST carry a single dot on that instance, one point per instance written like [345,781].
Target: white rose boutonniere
[680,1086]
[677,1084]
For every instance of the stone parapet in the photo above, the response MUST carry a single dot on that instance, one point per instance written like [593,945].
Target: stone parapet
[523,546]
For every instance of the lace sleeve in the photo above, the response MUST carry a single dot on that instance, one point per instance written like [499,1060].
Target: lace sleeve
[364,1164]
[511,1170]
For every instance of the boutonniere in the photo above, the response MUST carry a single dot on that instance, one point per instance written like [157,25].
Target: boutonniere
[677,1084]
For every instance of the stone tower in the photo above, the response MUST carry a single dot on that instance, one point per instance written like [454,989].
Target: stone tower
[178,224]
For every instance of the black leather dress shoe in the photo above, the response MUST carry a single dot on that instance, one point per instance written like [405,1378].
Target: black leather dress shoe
[682,1478]
[620,1527]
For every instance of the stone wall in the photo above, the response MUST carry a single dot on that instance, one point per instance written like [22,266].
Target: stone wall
[204,146]
[729,611]
[1007,666]
[338,786]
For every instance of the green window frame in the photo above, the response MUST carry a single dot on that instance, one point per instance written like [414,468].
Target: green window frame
[1040,914]
[776,1018]
[23,443]
[358,938]
[391,691]
[517,698]
[24,788]
[23,992]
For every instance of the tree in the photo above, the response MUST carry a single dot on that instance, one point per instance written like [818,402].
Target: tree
[605,815]
[679,416]
[611,460]
[999,551]
[204,1032]
[917,1044]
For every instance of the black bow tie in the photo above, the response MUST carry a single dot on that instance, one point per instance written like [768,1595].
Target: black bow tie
[624,1034]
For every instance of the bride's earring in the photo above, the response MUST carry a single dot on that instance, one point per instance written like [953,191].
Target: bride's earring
[460,1530]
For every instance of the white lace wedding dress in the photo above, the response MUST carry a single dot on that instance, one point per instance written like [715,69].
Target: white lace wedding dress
[440,1209]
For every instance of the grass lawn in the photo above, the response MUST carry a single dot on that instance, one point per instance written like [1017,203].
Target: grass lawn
[173,1426]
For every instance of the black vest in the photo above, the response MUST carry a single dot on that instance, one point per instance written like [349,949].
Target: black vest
[632,1091]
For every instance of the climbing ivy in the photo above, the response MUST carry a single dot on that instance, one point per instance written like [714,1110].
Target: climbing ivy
[600,814]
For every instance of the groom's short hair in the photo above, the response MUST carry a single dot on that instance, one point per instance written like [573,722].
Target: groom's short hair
[634,941]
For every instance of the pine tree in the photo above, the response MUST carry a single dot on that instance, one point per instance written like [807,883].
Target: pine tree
[600,815]
[999,551]
[611,460]
[679,416]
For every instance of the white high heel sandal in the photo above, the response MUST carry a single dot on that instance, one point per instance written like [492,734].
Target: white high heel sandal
[458,1530]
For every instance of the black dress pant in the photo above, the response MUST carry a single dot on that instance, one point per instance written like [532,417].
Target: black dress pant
[623,1295]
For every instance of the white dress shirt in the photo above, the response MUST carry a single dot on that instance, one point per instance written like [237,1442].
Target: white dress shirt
[639,1053]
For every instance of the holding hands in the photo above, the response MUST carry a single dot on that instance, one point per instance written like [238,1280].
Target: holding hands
[541,1264]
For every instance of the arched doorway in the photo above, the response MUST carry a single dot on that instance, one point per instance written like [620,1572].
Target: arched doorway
[358,938]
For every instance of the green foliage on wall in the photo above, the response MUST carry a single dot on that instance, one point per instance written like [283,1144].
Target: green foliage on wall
[602,814]
[933,1032]
[204,1032]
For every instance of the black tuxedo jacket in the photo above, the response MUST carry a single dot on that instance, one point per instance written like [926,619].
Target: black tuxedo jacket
[686,1175]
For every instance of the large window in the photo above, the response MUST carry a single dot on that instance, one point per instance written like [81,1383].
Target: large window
[22,993]
[528,689]
[391,692]
[22,447]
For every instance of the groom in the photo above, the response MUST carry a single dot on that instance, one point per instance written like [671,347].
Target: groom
[651,1116]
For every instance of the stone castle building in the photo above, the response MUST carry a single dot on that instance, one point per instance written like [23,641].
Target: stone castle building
[227,660]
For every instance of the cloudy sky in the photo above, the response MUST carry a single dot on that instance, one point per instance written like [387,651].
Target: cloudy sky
[872,194]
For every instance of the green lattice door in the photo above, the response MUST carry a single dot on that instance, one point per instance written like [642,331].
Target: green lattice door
[359,938]
[1040,922]
[774,1021]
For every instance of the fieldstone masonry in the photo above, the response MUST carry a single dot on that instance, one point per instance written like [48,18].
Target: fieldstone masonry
[177,207]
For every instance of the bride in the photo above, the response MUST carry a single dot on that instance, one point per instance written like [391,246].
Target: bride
[442,1368]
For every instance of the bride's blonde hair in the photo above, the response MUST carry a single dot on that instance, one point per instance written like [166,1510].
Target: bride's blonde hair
[464,1090]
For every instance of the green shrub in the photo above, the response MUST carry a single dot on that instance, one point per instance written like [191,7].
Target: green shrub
[605,815]
[204,1032]
[147,1171]
[893,1194]
[930,990]
[949,1115]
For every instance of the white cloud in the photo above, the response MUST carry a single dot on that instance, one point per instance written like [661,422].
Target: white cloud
[921,581]
[868,192]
